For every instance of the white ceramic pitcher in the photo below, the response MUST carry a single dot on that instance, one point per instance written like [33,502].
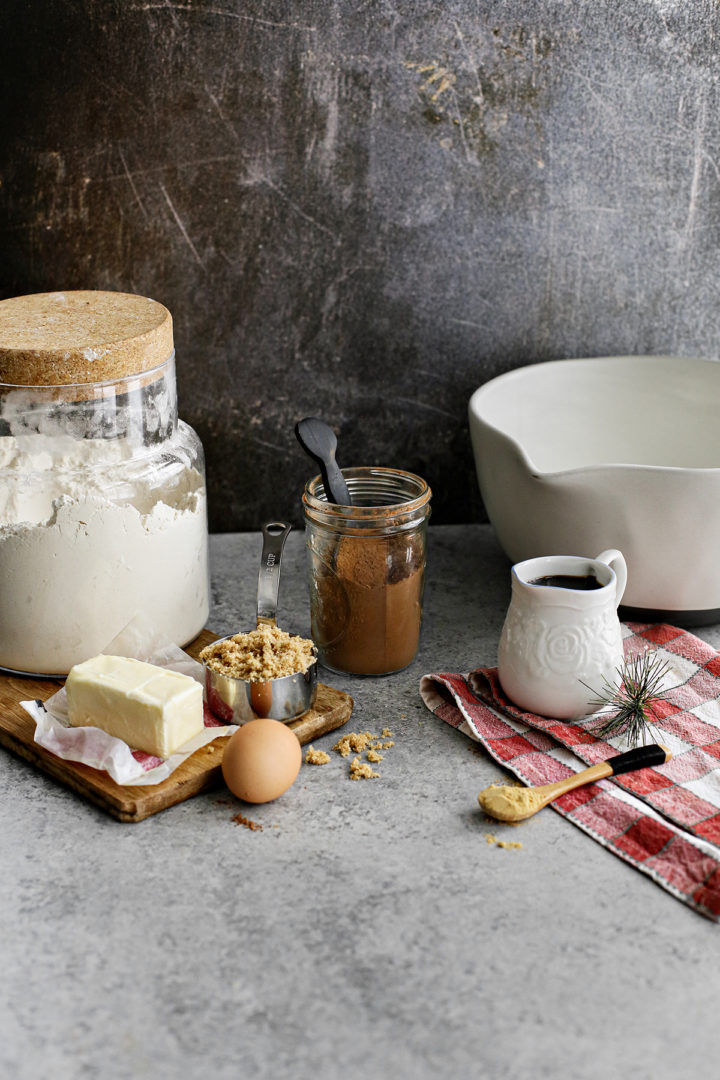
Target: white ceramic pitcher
[561,637]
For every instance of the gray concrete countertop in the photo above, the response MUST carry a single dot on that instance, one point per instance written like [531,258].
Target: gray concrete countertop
[368,930]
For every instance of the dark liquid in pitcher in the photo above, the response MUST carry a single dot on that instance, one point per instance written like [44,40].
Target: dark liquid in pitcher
[569,581]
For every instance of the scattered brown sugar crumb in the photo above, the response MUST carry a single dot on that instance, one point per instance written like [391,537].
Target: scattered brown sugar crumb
[253,826]
[354,743]
[360,770]
[359,742]
[263,654]
[386,733]
[490,838]
[316,757]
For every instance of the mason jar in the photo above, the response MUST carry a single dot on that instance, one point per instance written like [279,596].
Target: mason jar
[103,513]
[367,570]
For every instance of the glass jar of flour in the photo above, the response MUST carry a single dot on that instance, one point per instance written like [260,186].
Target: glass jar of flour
[102,489]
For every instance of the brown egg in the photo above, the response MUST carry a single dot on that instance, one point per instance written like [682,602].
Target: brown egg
[261,760]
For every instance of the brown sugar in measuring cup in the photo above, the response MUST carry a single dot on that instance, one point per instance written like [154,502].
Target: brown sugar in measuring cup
[265,673]
[367,569]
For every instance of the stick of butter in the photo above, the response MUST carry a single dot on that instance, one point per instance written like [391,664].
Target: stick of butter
[148,707]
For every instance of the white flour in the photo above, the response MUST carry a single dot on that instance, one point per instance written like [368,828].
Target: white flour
[92,534]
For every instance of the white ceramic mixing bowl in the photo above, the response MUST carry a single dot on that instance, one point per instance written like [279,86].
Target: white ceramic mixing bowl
[574,456]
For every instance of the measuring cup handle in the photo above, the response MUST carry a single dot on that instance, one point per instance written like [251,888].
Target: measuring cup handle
[274,534]
[616,561]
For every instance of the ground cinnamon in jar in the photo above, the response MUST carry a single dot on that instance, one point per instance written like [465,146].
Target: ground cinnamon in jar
[367,564]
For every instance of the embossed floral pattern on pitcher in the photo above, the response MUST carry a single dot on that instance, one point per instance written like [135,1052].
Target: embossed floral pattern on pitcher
[558,641]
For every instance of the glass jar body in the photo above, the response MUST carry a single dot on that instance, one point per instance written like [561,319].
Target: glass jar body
[103,517]
[367,570]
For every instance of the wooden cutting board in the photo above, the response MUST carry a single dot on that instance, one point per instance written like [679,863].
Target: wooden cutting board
[198,773]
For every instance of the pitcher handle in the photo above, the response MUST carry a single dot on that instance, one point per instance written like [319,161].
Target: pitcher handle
[616,561]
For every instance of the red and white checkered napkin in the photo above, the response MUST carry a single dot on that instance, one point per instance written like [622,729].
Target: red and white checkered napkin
[664,820]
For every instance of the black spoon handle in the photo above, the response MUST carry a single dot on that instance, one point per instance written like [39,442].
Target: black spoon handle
[334,483]
[642,757]
[319,441]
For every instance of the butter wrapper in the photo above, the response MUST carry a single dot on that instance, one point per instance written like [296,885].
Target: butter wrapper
[139,640]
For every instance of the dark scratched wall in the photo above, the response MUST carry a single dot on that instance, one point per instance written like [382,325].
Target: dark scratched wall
[363,210]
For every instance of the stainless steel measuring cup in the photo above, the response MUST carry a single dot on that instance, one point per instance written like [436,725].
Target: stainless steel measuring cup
[238,700]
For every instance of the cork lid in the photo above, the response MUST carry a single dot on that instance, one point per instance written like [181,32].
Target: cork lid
[88,336]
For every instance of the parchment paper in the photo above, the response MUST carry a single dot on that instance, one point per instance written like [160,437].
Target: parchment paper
[139,640]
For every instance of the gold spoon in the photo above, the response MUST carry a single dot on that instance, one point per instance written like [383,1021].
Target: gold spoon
[507,803]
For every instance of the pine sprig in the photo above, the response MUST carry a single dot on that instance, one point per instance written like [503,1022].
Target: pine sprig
[628,704]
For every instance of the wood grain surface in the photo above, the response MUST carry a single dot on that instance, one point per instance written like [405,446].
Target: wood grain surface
[199,772]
